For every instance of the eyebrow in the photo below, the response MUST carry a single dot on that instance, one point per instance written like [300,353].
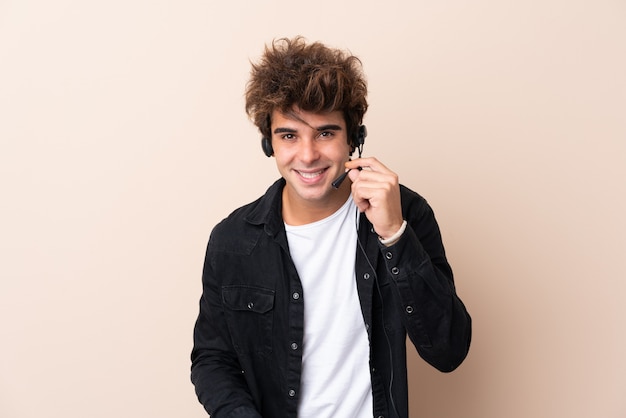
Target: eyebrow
[329,127]
[284,130]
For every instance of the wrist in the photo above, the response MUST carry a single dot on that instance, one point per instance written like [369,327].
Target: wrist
[395,237]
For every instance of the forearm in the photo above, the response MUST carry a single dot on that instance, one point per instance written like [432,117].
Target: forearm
[435,318]
[215,368]
[216,374]
[221,390]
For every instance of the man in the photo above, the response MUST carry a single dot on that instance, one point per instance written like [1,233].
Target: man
[309,292]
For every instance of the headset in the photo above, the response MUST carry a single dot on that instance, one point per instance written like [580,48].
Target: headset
[358,139]
[357,142]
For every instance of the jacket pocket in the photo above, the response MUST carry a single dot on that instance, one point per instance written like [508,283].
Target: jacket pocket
[249,313]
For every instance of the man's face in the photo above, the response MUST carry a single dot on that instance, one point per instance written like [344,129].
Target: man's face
[311,150]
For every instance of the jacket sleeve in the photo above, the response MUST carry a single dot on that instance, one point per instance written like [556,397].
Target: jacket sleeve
[215,369]
[435,318]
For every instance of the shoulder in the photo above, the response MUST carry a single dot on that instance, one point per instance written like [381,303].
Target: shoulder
[240,230]
[413,203]
[421,217]
[234,226]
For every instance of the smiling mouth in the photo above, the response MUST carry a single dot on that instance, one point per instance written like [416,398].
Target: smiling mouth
[310,175]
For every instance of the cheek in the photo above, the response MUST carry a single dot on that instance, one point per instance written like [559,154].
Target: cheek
[282,157]
[342,151]
[338,149]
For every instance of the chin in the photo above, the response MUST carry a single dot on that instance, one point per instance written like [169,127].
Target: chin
[317,193]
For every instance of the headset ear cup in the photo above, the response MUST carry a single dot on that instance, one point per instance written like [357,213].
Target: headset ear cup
[266,144]
[359,138]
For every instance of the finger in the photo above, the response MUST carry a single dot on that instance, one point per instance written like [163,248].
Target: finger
[376,195]
[370,163]
[362,203]
[370,178]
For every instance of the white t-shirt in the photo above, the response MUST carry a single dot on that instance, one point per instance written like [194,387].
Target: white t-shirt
[336,380]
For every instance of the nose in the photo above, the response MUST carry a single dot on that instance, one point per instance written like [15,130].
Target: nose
[308,151]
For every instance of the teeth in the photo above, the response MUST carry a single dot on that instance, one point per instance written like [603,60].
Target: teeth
[310,175]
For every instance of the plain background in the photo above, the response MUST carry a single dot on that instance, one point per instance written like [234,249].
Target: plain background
[124,140]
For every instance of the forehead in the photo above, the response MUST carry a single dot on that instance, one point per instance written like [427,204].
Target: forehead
[300,118]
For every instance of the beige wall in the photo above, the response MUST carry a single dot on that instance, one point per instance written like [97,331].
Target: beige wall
[123,141]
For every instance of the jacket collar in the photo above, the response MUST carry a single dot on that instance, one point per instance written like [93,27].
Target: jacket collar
[268,210]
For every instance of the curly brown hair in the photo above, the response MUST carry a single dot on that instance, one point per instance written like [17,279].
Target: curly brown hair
[312,77]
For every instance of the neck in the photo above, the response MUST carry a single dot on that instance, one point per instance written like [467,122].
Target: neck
[296,211]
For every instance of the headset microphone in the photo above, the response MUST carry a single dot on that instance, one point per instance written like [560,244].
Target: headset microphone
[341,178]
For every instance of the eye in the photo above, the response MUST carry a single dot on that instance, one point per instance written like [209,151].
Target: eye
[288,137]
[326,134]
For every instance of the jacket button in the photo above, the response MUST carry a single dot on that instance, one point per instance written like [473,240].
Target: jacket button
[389,256]
[395,270]
[366,276]
[292,393]
[409,309]
[250,305]
[295,295]
[294,346]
